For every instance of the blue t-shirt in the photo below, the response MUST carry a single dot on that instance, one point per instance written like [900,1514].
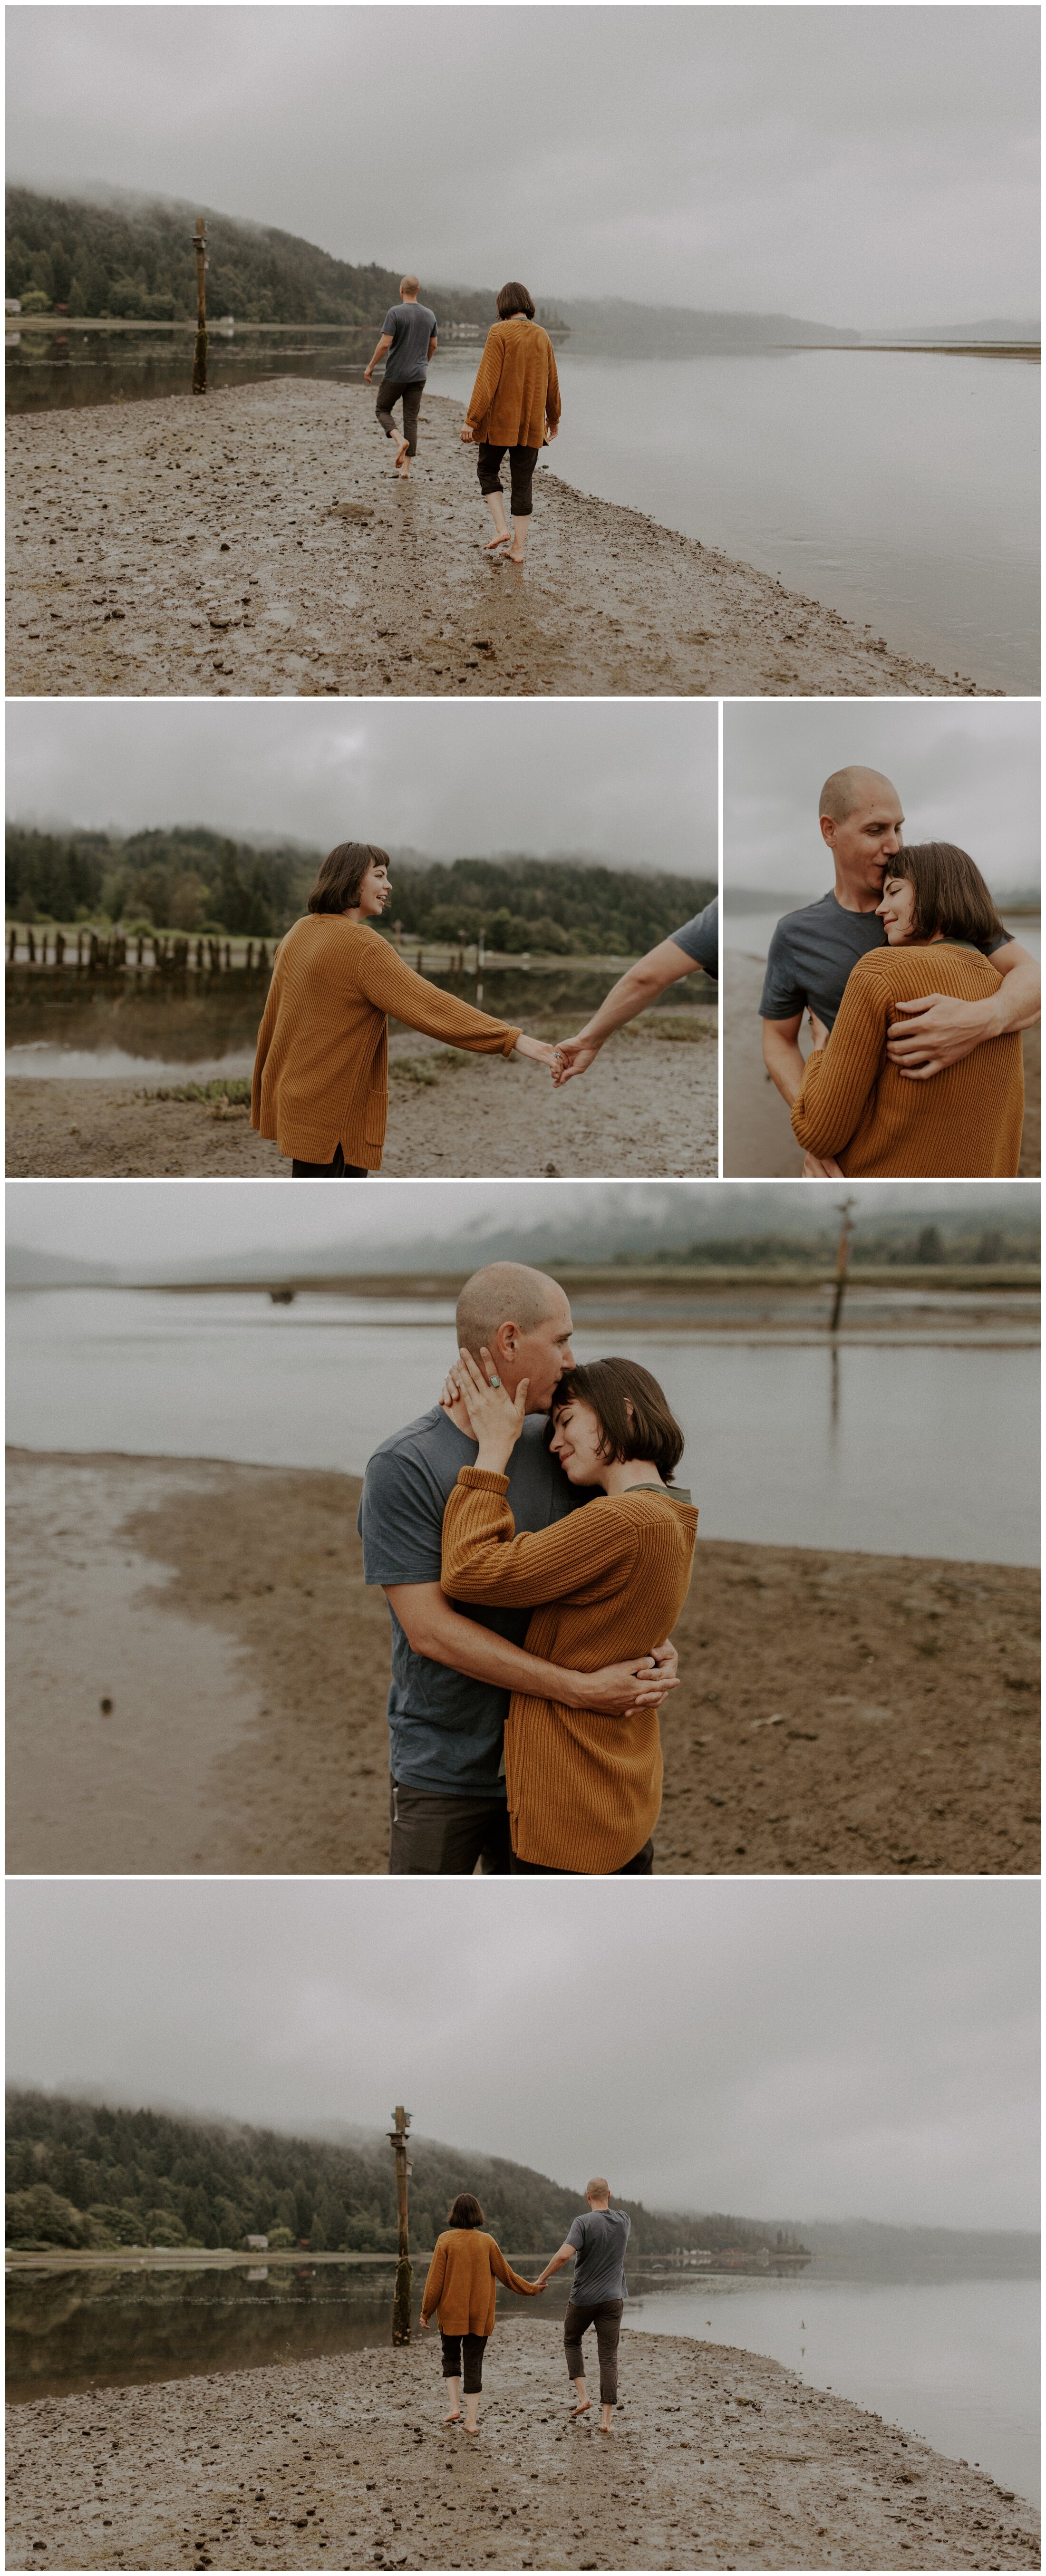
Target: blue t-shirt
[699,938]
[447,1730]
[813,953]
[412,326]
[599,2239]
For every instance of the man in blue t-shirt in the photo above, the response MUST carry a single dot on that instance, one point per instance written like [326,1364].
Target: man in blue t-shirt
[454,1664]
[408,340]
[597,2296]
[696,944]
[813,952]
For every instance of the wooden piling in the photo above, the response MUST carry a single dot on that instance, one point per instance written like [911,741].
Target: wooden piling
[842,1261]
[199,364]
[401,2294]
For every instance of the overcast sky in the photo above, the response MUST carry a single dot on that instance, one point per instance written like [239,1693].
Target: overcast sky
[965,774]
[859,166]
[162,1221]
[821,2049]
[635,783]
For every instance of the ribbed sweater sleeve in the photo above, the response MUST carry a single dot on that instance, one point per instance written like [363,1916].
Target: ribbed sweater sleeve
[393,986]
[433,2290]
[488,378]
[840,1076]
[553,405]
[483,1560]
[511,2279]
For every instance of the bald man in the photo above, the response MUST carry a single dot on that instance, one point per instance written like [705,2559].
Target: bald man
[454,1664]
[813,951]
[597,2295]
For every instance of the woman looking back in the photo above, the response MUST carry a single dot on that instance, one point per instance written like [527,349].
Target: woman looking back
[321,1071]
[856,1106]
[515,406]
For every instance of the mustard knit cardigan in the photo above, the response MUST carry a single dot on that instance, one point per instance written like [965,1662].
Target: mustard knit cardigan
[584,1791]
[965,1124]
[517,387]
[462,2282]
[321,1071]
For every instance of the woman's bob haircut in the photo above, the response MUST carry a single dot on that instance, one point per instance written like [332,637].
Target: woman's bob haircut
[515,299]
[465,2211]
[949,892]
[630,1408]
[341,876]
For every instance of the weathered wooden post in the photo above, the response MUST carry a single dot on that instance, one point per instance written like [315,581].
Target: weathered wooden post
[199,364]
[401,2294]
[842,1261]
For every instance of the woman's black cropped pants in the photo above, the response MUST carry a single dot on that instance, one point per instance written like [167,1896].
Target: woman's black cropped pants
[521,463]
[475,2347]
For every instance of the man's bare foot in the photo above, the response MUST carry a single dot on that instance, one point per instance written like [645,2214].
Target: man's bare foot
[402,451]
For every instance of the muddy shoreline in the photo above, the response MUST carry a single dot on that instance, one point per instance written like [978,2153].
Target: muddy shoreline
[838,1712]
[257,544]
[718,2458]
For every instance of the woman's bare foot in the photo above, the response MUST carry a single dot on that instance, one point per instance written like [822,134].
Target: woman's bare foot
[494,542]
[455,2418]
[473,2428]
[512,557]
[586,2409]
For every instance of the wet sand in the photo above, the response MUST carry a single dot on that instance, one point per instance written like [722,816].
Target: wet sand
[647,1109]
[837,1711]
[718,2458]
[758,1143]
[203,548]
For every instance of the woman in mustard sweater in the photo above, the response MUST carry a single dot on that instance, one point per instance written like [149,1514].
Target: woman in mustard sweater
[515,406]
[462,2291]
[321,1071]
[867,1114]
[606,1583]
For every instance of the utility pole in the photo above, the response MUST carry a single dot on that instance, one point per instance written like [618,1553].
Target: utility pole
[842,1260]
[199,365]
[401,2295]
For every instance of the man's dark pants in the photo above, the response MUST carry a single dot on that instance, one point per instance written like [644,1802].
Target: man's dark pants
[605,2316]
[521,463]
[389,394]
[475,2347]
[436,1834]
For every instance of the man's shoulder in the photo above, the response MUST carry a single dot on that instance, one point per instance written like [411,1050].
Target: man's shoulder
[418,1439]
[807,916]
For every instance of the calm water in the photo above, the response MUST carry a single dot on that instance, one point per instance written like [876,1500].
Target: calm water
[751,932]
[956,2361]
[920,1451]
[899,488]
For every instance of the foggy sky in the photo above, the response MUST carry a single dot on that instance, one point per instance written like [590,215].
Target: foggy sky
[634,783]
[817,2049]
[965,774]
[859,166]
[160,1221]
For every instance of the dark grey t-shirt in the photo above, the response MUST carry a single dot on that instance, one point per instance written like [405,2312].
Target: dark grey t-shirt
[447,1730]
[600,2239]
[812,954]
[412,327]
[700,937]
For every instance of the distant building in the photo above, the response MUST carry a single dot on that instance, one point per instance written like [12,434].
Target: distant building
[257,2244]
[12,304]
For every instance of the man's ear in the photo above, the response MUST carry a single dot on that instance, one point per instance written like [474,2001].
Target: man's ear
[827,822]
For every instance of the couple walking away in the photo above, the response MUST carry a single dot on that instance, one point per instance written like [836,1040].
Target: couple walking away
[321,1068]
[514,410]
[535,1552]
[916,996]
[461,2292]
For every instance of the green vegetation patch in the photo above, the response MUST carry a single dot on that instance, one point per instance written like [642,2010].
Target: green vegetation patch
[237,1092]
[424,1071]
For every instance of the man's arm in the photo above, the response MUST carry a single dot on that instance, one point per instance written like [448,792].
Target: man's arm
[383,347]
[633,992]
[782,1057]
[937,1031]
[556,2265]
[433,1627]
[433,344]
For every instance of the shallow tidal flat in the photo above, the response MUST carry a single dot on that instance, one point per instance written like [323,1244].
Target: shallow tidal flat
[837,1711]
[718,2458]
[199,546]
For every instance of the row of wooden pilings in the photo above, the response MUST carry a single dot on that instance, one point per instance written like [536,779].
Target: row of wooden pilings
[97,956]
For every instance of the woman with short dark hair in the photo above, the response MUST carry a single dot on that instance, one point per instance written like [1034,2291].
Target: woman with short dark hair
[321,1070]
[515,406]
[603,1585]
[869,1115]
[462,2291]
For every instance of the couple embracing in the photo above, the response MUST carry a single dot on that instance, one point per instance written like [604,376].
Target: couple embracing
[535,1551]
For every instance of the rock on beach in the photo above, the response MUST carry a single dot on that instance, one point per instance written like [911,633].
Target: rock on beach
[719,2458]
[255,542]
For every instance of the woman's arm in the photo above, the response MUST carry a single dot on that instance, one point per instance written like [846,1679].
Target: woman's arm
[433,2290]
[512,2280]
[484,1560]
[393,986]
[553,405]
[488,378]
[839,1078]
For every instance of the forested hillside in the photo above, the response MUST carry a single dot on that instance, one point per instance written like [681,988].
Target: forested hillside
[134,259]
[192,880]
[78,2174]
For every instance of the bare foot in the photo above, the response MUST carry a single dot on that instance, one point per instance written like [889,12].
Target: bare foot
[512,557]
[402,451]
[581,2410]
[453,2419]
[473,2428]
[493,543]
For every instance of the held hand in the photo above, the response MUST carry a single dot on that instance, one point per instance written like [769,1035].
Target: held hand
[574,1055]
[496,1418]
[822,1167]
[936,1031]
[538,1051]
[467,434]
[666,1661]
[425,2324]
[818,1033]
